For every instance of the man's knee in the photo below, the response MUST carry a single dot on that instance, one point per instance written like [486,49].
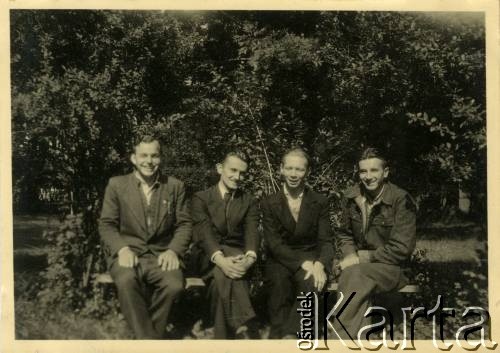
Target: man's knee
[176,286]
[223,286]
[172,284]
[361,271]
[277,277]
[352,271]
[355,279]
[304,285]
[124,277]
[278,282]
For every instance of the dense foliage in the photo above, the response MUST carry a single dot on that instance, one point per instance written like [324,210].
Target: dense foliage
[85,82]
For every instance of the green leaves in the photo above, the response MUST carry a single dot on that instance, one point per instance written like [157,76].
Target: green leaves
[85,82]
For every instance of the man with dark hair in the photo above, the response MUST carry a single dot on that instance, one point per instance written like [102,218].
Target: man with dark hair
[299,241]
[376,238]
[372,152]
[225,222]
[146,228]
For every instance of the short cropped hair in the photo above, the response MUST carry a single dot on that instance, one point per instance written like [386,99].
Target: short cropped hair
[296,151]
[372,152]
[145,139]
[238,154]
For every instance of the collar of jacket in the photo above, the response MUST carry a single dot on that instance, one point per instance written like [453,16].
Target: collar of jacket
[279,197]
[279,203]
[357,190]
[215,190]
[160,179]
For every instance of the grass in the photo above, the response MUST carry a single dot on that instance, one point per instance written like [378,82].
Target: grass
[32,323]
[28,230]
[451,250]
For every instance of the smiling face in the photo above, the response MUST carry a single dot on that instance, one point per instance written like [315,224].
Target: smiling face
[146,159]
[232,172]
[294,170]
[372,174]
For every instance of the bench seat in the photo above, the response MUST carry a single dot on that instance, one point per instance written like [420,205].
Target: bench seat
[104,278]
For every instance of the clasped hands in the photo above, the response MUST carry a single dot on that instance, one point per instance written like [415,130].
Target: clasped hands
[317,270]
[167,260]
[234,267]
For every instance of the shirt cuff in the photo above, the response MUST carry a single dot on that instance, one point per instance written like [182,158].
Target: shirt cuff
[251,253]
[212,258]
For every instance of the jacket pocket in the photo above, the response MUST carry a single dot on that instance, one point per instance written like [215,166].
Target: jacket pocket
[382,221]
[356,223]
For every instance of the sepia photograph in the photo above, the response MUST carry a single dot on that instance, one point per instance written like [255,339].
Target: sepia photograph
[317,177]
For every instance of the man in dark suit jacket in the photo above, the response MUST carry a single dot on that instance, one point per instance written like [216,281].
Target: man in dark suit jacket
[377,237]
[225,221]
[299,241]
[146,228]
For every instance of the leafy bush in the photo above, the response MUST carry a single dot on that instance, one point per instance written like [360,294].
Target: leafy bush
[74,258]
[86,82]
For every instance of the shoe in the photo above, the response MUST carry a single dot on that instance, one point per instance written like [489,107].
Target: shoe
[248,331]
[253,331]
[242,333]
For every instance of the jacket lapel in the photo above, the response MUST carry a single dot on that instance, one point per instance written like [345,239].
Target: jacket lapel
[283,210]
[236,210]
[305,216]
[164,204]
[216,209]
[134,201]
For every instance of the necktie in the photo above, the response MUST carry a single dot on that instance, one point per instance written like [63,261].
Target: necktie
[227,201]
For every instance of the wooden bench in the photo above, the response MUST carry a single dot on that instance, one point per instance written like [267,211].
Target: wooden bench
[105,278]
[410,288]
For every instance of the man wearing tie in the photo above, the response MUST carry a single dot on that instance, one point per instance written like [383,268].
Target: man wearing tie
[145,228]
[299,241]
[225,220]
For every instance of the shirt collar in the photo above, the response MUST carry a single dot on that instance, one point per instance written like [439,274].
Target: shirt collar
[386,194]
[377,198]
[141,181]
[287,193]
[223,190]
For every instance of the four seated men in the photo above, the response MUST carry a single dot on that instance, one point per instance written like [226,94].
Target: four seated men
[146,227]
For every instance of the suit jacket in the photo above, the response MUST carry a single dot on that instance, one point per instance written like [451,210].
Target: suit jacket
[123,221]
[213,230]
[391,229]
[310,238]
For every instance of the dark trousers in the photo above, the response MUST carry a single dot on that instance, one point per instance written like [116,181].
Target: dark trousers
[284,286]
[365,279]
[230,305]
[146,315]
